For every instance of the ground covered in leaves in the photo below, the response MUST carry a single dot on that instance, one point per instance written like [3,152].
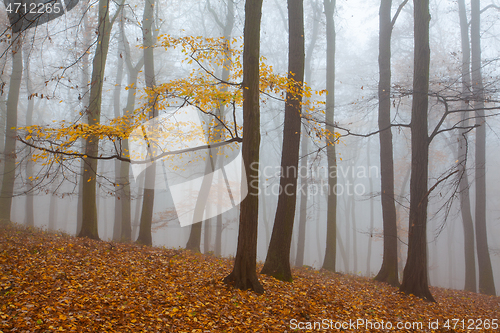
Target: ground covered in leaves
[52,282]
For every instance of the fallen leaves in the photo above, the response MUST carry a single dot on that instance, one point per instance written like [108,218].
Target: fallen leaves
[50,281]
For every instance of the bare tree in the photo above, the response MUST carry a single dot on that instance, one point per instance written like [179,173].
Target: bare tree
[244,274]
[277,262]
[415,277]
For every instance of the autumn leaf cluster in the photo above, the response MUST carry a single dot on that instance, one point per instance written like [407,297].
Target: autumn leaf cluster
[204,86]
[54,282]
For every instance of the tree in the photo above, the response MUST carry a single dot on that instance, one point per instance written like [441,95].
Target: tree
[30,216]
[277,262]
[486,281]
[329,261]
[149,73]
[227,29]
[389,270]
[89,209]
[465,208]
[299,259]
[415,277]
[9,171]
[244,274]
[117,113]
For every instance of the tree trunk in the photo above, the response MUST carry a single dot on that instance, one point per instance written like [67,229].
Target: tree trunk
[52,224]
[329,261]
[465,209]
[145,237]
[9,171]
[133,72]
[486,281]
[244,275]
[117,113]
[277,262]
[89,208]
[415,277]
[30,216]
[299,259]
[304,181]
[372,217]
[389,271]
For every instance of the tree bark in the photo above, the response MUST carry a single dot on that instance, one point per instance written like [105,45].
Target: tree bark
[117,113]
[389,271]
[9,171]
[89,208]
[30,216]
[244,274]
[145,237]
[304,181]
[329,261]
[415,277]
[465,208]
[486,281]
[277,262]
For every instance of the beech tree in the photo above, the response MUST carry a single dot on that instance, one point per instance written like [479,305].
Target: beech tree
[277,262]
[465,207]
[89,208]
[415,277]
[486,281]
[389,270]
[149,74]
[329,262]
[9,169]
[244,274]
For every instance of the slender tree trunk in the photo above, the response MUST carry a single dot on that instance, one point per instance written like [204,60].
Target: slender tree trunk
[30,216]
[486,281]
[117,113]
[415,277]
[299,259]
[304,181]
[133,72]
[9,173]
[277,262]
[372,217]
[389,270]
[89,207]
[85,101]
[150,173]
[465,208]
[329,261]
[405,182]
[52,225]
[244,275]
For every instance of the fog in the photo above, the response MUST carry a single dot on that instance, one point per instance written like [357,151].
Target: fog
[57,66]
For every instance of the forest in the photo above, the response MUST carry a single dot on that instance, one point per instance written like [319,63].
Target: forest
[327,162]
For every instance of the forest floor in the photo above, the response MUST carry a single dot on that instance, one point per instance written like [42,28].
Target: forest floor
[54,282]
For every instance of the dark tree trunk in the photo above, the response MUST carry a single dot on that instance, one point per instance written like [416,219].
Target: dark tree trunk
[465,208]
[277,262]
[415,277]
[89,206]
[117,225]
[30,214]
[244,274]
[486,281]
[9,171]
[389,270]
[145,237]
[299,258]
[329,261]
